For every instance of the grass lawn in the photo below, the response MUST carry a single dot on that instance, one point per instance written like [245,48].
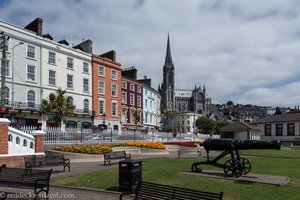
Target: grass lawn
[167,171]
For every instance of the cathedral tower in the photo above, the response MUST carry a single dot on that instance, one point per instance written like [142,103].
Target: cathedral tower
[167,87]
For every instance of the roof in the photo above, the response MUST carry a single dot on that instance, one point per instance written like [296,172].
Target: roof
[287,117]
[238,126]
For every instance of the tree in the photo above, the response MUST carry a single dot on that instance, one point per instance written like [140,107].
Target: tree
[205,124]
[58,105]
[168,115]
[229,103]
[219,125]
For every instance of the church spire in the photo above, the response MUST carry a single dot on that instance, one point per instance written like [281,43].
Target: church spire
[168,61]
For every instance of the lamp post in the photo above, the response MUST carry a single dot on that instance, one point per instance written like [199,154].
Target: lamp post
[13,75]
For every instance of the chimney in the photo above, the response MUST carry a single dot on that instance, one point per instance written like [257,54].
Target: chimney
[110,55]
[86,46]
[36,26]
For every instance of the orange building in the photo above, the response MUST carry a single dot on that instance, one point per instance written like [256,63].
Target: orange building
[107,91]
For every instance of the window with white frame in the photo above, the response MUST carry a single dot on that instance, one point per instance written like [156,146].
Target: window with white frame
[113,74]
[101,71]
[139,101]
[124,97]
[139,89]
[114,90]
[31,99]
[51,58]
[114,108]
[86,106]
[70,81]
[70,63]
[85,85]
[7,70]
[101,89]
[131,87]
[85,67]
[132,99]
[52,77]
[30,72]
[124,85]
[101,106]
[6,95]
[30,51]
[70,100]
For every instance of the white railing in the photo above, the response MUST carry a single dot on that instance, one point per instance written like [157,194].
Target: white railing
[56,135]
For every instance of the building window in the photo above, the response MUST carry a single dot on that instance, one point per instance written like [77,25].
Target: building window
[70,100]
[6,95]
[291,129]
[51,58]
[52,77]
[31,145]
[6,70]
[139,101]
[17,140]
[70,63]
[25,143]
[124,85]
[101,106]
[268,129]
[124,97]
[114,108]
[101,71]
[113,74]
[114,90]
[86,106]
[139,89]
[131,87]
[101,87]
[85,85]
[31,99]
[85,67]
[30,51]
[30,73]
[70,81]
[146,103]
[124,115]
[279,129]
[10,138]
[132,99]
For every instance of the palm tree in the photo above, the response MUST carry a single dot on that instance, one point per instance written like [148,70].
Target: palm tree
[58,105]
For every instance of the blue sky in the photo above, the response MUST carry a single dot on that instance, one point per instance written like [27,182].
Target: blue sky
[247,51]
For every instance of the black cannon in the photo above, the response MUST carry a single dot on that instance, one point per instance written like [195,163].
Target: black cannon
[236,165]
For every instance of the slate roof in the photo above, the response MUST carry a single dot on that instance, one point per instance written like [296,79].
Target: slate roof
[287,117]
[238,126]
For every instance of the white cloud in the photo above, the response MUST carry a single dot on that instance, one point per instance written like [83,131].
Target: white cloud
[242,50]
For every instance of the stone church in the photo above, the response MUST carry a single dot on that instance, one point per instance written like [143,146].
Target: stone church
[181,100]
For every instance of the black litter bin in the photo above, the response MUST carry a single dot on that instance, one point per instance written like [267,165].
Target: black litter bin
[130,175]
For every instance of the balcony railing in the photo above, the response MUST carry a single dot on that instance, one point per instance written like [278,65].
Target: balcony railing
[37,107]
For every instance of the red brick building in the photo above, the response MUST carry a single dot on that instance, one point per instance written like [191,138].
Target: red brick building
[107,91]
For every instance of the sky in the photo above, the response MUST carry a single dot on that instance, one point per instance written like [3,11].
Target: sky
[246,51]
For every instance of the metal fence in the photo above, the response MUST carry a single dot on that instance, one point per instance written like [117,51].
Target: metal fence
[90,136]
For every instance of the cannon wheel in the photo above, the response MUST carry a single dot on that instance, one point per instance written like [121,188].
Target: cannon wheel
[195,167]
[233,168]
[246,165]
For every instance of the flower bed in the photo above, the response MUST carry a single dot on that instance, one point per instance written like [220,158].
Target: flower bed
[99,149]
[185,144]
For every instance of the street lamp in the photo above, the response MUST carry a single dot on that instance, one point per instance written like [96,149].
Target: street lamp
[13,75]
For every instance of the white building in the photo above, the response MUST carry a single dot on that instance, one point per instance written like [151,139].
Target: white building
[151,109]
[185,122]
[38,66]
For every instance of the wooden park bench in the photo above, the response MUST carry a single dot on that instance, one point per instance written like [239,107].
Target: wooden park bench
[108,156]
[36,179]
[153,191]
[190,151]
[50,159]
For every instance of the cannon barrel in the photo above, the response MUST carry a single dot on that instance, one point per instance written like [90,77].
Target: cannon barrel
[228,144]
[257,144]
